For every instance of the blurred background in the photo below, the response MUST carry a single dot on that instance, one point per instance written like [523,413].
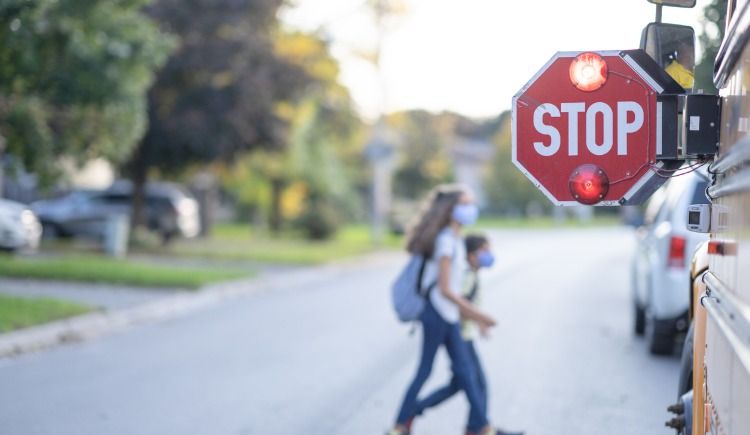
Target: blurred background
[153,149]
[303,118]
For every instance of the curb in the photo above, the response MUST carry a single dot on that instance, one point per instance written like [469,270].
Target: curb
[92,325]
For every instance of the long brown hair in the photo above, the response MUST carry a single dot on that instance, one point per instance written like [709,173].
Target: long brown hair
[434,216]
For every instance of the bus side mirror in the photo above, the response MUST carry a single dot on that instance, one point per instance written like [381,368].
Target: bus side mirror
[672,46]
[675,3]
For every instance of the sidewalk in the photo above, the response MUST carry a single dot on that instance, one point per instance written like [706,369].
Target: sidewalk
[97,295]
[123,307]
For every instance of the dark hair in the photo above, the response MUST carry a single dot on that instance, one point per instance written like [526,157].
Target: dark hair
[435,215]
[474,242]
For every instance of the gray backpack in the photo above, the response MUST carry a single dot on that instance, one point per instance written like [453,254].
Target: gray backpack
[407,293]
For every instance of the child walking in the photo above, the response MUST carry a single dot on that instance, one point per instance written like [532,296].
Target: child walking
[478,255]
[437,236]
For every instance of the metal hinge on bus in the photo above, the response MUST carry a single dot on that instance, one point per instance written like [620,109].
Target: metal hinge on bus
[701,121]
[693,137]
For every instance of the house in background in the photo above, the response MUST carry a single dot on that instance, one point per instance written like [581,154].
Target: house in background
[22,186]
[470,156]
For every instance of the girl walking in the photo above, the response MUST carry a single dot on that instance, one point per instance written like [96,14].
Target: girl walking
[437,236]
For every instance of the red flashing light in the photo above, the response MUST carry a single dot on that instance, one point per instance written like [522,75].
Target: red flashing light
[676,257]
[588,72]
[588,184]
[721,247]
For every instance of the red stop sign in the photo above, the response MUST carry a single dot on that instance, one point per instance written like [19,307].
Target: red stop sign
[562,128]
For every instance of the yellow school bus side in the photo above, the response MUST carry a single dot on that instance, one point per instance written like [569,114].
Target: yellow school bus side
[699,346]
[721,295]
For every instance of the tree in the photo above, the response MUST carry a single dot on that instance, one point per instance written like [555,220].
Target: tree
[424,150]
[308,182]
[218,94]
[73,78]
[710,38]
[508,190]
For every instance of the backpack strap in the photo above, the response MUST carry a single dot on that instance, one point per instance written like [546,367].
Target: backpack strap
[474,288]
[422,267]
[424,291]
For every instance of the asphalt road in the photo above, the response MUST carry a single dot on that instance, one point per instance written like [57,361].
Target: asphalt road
[324,355]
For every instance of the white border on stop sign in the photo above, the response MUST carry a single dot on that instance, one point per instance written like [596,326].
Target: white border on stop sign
[568,54]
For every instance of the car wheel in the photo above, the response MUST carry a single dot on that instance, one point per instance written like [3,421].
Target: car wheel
[660,336]
[639,319]
[167,237]
[685,379]
[51,231]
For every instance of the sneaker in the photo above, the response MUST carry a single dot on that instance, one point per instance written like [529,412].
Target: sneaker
[404,429]
[494,431]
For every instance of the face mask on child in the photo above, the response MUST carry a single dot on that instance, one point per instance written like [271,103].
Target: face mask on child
[465,214]
[485,259]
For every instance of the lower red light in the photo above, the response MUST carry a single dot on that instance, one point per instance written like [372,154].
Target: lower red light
[588,184]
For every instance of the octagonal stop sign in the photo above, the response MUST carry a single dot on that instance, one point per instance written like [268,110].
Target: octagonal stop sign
[597,127]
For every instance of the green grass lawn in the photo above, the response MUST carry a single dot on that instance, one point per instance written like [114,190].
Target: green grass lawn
[236,242]
[92,268]
[17,313]
[545,222]
[239,242]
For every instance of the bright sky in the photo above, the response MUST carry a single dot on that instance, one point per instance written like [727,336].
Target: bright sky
[470,56]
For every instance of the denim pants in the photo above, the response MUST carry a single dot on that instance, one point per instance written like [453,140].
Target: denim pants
[437,332]
[446,392]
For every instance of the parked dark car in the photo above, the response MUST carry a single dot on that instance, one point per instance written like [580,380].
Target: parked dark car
[169,210]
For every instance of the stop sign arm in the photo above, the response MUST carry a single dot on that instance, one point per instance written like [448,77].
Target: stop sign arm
[625,125]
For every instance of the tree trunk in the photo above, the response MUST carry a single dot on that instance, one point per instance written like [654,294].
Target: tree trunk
[277,188]
[2,166]
[138,174]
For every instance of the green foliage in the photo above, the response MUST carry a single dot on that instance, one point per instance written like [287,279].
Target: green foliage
[238,242]
[710,38]
[103,269]
[217,95]
[17,313]
[508,190]
[309,183]
[424,151]
[320,218]
[73,77]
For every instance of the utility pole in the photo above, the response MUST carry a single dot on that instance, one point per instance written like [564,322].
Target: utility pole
[379,151]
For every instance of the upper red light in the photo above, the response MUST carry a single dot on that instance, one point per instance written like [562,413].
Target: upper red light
[588,184]
[588,72]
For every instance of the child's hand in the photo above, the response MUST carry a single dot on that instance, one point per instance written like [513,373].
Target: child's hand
[486,321]
[484,331]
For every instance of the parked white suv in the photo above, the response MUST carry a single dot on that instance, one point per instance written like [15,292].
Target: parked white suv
[661,267]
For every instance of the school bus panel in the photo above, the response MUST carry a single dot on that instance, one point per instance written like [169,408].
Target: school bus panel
[726,361]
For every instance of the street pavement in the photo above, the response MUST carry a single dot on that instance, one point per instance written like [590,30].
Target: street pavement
[321,353]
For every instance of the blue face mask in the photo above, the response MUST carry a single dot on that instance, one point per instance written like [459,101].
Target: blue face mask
[485,259]
[465,214]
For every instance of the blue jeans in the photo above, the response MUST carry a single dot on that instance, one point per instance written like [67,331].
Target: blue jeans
[442,394]
[437,332]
